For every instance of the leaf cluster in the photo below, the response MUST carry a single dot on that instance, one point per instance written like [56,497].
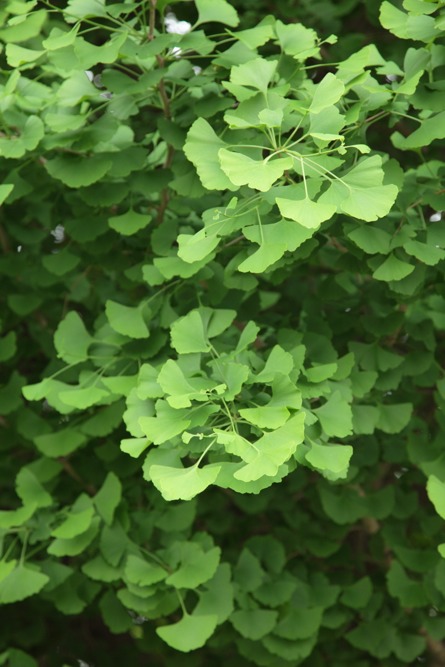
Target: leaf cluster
[222,391]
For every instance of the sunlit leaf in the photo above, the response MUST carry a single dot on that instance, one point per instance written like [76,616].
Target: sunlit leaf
[182,483]
[216,10]
[22,582]
[201,148]
[190,633]
[242,170]
[127,320]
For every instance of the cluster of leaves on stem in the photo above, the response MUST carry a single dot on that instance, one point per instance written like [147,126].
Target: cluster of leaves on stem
[222,383]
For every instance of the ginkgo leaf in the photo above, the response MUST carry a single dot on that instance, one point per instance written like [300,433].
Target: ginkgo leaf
[333,458]
[22,582]
[217,598]
[60,443]
[191,332]
[219,11]
[108,497]
[5,191]
[181,391]
[424,252]
[257,73]
[430,129]
[296,40]
[254,623]
[371,239]
[360,192]
[327,92]
[393,269]
[436,493]
[260,175]
[279,362]
[83,397]
[59,39]
[196,566]
[89,54]
[129,223]
[15,518]
[76,171]
[143,572]
[201,148]
[261,259]
[268,453]
[330,121]
[195,247]
[126,320]
[406,26]
[71,339]
[265,417]
[134,446]
[182,483]
[19,55]
[167,423]
[257,36]
[27,27]
[274,240]
[394,418]
[31,490]
[335,416]
[79,9]
[308,213]
[190,633]
[75,524]
[188,334]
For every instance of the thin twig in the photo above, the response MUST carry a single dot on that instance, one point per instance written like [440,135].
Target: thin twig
[151,20]
[4,240]
[89,488]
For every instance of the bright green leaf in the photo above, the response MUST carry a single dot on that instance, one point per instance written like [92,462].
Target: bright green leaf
[108,497]
[71,339]
[260,175]
[327,92]
[393,269]
[335,416]
[436,493]
[201,148]
[254,623]
[126,320]
[308,213]
[22,582]
[190,633]
[219,11]
[129,223]
[75,524]
[257,73]
[182,483]
[333,458]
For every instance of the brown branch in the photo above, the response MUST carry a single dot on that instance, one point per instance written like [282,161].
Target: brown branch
[151,20]
[165,196]
[89,488]
[4,240]
[164,99]
[436,648]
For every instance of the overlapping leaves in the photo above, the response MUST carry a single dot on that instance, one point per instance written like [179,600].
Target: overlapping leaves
[137,255]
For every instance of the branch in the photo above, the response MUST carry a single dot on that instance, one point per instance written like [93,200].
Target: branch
[151,20]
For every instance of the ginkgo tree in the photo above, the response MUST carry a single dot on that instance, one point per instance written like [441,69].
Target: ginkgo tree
[222,390]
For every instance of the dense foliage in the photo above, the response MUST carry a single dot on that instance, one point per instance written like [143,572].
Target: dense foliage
[222,343]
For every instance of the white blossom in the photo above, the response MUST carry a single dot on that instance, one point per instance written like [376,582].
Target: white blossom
[176,52]
[436,216]
[58,233]
[175,27]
